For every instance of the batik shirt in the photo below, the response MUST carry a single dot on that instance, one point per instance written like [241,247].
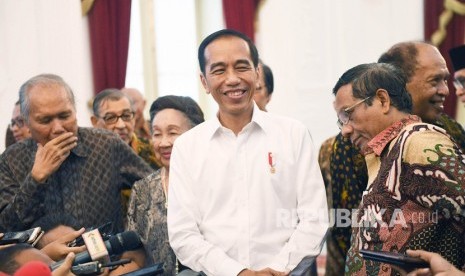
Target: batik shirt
[348,179]
[147,217]
[415,198]
[87,185]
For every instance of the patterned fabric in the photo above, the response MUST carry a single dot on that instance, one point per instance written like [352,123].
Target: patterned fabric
[143,130]
[144,149]
[87,185]
[349,180]
[147,217]
[415,198]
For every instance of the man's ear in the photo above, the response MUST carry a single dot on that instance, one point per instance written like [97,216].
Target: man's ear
[203,80]
[384,98]
[258,72]
[93,120]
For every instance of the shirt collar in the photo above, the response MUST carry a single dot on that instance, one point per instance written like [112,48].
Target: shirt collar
[258,118]
[380,141]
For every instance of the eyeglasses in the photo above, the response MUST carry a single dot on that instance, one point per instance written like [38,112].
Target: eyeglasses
[110,119]
[18,121]
[459,83]
[343,117]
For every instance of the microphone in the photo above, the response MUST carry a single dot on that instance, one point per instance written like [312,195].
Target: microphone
[35,268]
[115,245]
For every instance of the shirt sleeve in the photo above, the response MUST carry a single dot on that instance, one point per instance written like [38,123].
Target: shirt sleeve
[131,166]
[21,201]
[309,234]
[432,173]
[185,236]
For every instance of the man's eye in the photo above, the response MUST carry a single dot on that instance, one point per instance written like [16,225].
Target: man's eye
[44,121]
[109,118]
[218,72]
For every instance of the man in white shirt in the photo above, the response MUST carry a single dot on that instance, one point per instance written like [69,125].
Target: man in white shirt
[246,196]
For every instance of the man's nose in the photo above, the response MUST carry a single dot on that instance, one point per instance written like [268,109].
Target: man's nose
[443,89]
[120,123]
[231,77]
[346,130]
[57,126]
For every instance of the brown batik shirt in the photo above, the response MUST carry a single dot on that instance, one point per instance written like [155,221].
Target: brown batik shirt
[87,185]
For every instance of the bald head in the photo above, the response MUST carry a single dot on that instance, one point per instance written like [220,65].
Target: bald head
[426,73]
[138,101]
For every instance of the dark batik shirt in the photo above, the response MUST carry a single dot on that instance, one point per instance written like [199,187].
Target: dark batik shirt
[87,185]
[415,197]
[349,179]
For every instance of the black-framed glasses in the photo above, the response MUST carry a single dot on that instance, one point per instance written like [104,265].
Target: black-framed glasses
[343,117]
[459,83]
[18,121]
[111,118]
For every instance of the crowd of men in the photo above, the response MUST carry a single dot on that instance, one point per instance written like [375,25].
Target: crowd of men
[248,193]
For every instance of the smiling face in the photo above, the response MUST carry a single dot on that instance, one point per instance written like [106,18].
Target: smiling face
[364,123]
[230,76]
[51,113]
[167,125]
[428,85]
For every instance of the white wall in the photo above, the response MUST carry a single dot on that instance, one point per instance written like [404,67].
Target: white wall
[309,43]
[46,36]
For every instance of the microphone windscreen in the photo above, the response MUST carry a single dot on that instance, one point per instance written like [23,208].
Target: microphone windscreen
[125,241]
[35,268]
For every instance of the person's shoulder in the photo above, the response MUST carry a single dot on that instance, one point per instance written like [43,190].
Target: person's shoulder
[145,183]
[282,123]
[92,135]
[200,131]
[24,147]
[425,134]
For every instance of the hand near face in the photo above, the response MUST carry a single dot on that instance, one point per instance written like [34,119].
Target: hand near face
[50,156]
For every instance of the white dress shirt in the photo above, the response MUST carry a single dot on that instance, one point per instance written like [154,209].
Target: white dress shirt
[231,206]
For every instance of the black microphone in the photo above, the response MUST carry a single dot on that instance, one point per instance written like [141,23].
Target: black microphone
[115,245]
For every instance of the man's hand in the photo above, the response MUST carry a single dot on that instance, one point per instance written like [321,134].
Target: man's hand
[50,156]
[438,265]
[58,249]
[267,271]
[65,268]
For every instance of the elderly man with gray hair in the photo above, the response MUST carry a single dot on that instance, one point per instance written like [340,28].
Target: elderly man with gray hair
[65,168]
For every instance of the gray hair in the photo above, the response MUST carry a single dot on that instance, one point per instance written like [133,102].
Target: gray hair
[109,94]
[43,80]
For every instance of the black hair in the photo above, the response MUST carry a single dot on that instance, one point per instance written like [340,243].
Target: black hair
[350,76]
[269,80]
[221,33]
[186,105]
[8,263]
[374,76]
